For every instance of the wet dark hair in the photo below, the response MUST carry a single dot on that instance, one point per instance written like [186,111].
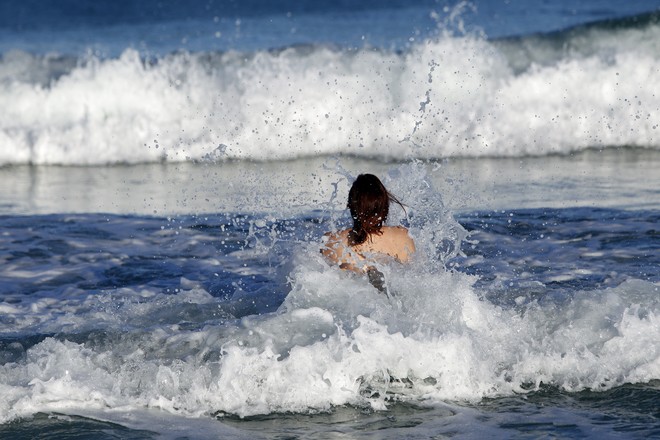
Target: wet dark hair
[369,203]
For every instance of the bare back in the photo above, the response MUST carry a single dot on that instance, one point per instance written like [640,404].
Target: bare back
[394,242]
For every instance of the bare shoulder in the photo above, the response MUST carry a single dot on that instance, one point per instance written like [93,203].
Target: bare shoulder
[332,239]
[394,241]
[397,230]
[398,233]
[397,242]
[337,251]
[334,244]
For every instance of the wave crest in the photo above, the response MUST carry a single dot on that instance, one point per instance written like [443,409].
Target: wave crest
[445,97]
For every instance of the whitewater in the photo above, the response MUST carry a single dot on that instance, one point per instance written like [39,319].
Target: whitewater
[240,315]
[449,95]
[168,172]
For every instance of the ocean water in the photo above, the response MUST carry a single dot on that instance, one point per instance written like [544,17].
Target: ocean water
[167,171]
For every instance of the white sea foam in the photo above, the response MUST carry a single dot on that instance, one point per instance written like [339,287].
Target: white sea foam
[335,339]
[448,96]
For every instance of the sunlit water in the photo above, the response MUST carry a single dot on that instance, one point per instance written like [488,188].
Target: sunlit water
[167,173]
[510,322]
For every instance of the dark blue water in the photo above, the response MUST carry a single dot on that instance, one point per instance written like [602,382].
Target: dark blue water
[98,280]
[523,247]
[516,249]
[201,25]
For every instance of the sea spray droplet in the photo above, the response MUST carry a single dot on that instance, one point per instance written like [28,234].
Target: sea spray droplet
[216,155]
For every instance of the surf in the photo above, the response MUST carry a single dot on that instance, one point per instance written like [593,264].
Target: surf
[258,323]
[446,96]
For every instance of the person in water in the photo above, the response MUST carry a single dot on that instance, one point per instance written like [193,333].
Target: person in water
[368,241]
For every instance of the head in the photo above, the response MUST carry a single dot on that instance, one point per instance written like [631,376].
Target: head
[369,203]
